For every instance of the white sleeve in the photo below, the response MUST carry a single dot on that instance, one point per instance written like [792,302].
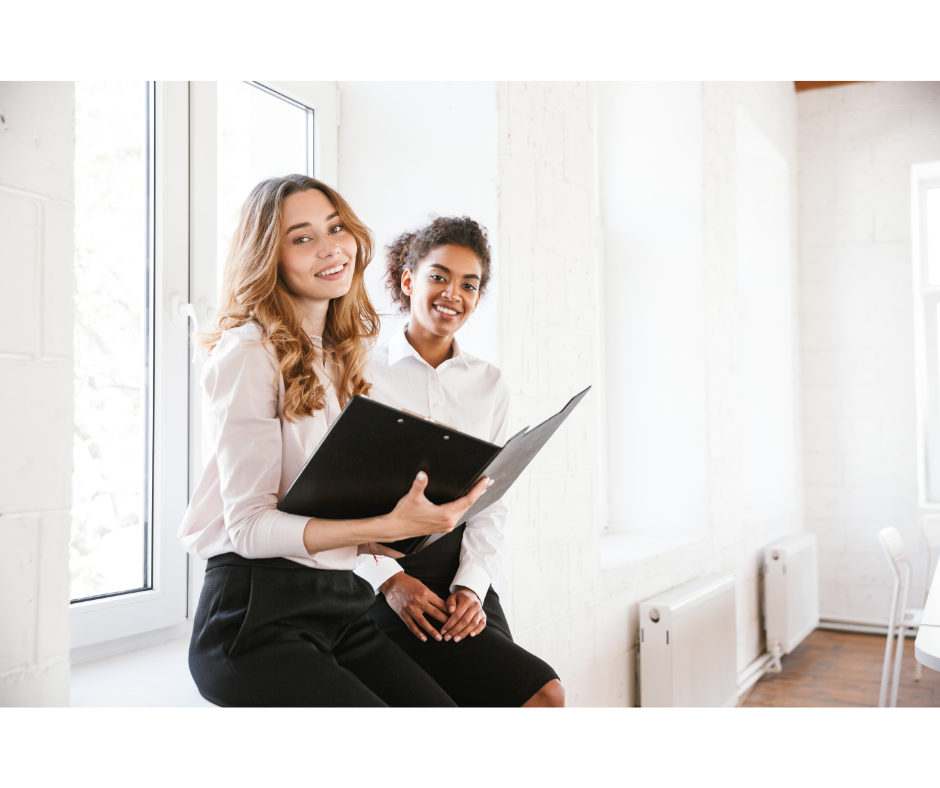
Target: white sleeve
[378,571]
[241,382]
[483,547]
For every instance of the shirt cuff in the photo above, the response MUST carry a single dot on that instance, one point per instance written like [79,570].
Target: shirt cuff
[377,573]
[287,535]
[473,577]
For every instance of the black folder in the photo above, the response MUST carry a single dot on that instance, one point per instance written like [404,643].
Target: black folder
[369,458]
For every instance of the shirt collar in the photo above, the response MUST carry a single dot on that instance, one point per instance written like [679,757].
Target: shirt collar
[399,347]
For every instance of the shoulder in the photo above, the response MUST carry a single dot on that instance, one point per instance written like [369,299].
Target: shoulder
[379,353]
[243,345]
[488,374]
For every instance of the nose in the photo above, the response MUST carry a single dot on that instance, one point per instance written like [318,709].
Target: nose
[328,248]
[450,292]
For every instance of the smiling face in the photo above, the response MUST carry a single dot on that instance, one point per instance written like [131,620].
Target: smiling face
[444,289]
[318,253]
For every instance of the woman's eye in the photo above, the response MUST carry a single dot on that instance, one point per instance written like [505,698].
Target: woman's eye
[301,239]
[469,286]
[336,228]
[437,277]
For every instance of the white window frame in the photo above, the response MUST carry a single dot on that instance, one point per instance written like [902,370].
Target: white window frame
[926,176]
[164,604]
[185,283]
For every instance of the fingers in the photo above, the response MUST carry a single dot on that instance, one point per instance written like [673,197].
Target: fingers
[478,628]
[466,625]
[416,622]
[436,608]
[426,625]
[409,622]
[420,483]
[464,615]
[452,603]
[435,613]
[458,507]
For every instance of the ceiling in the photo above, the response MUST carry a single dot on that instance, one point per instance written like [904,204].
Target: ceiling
[814,85]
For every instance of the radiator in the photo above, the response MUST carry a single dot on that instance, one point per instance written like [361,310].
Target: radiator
[791,592]
[688,645]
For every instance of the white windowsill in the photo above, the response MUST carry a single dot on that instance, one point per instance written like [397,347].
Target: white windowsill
[147,677]
[619,549]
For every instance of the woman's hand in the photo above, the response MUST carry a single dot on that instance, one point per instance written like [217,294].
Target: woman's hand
[415,515]
[467,618]
[413,600]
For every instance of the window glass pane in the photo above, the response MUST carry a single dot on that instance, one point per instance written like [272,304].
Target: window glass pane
[110,506]
[259,136]
[933,235]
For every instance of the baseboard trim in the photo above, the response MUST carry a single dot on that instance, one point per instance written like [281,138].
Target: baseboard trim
[748,677]
[865,629]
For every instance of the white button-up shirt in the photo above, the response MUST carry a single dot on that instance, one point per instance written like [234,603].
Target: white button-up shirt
[470,395]
[254,455]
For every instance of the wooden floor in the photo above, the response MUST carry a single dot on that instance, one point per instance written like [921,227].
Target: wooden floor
[841,669]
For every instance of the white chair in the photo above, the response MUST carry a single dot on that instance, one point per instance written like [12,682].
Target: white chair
[903,617]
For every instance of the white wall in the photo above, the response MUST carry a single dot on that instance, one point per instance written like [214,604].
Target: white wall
[36,221]
[651,206]
[562,604]
[857,145]
[410,149]
[770,427]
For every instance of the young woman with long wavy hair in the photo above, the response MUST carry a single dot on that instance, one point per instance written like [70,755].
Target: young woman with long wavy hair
[282,617]
[439,604]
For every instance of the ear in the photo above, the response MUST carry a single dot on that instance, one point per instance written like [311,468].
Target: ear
[406,282]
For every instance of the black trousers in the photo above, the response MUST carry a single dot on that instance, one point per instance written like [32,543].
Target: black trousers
[489,669]
[272,632]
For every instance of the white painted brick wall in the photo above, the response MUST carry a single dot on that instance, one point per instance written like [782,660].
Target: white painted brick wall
[580,618]
[856,146]
[37,146]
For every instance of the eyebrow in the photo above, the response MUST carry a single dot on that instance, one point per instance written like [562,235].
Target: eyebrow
[447,271]
[307,224]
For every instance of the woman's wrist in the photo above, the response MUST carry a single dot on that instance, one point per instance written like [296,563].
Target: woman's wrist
[390,583]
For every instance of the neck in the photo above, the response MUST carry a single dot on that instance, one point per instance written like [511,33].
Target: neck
[432,348]
[314,315]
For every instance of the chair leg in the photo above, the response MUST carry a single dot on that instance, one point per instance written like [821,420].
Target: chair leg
[886,670]
[917,667]
[897,667]
[905,589]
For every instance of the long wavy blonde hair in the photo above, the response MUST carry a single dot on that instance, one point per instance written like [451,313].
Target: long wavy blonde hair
[253,291]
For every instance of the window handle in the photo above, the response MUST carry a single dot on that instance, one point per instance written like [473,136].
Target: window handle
[181,312]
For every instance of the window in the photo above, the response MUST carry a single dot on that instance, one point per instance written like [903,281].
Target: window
[925,203]
[261,134]
[129,572]
[111,547]
[161,171]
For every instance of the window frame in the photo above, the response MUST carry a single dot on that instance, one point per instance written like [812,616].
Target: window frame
[185,283]
[925,176]
[164,603]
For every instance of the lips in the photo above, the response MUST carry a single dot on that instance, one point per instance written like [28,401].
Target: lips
[446,311]
[331,271]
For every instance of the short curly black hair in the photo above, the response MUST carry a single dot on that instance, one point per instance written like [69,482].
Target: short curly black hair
[409,249]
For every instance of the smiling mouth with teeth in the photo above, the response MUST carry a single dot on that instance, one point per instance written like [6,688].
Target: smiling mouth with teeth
[332,271]
[444,310]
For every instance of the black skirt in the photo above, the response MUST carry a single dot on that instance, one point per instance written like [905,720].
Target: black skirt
[272,632]
[488,669]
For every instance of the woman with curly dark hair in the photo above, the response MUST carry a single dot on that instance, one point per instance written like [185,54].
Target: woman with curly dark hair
[438,604]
